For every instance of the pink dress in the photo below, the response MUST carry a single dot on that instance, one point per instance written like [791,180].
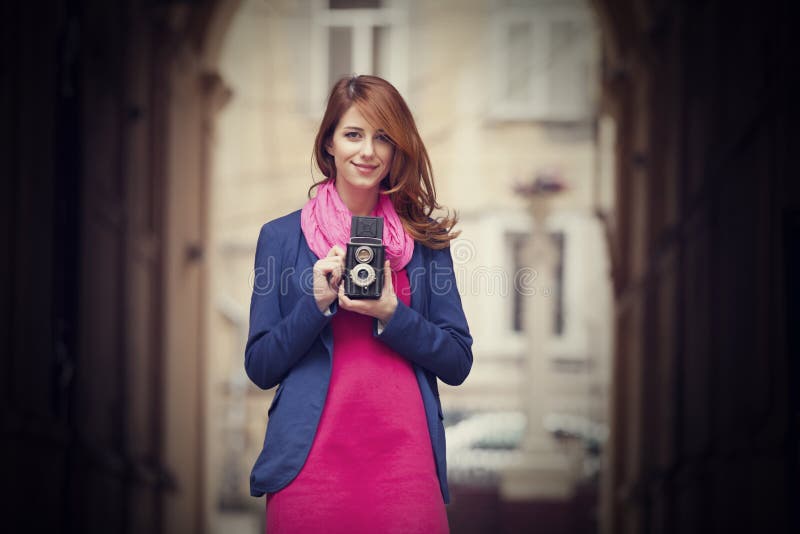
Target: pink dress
[371,466]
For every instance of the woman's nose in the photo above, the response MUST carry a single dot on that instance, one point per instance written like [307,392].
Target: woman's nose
[367,150]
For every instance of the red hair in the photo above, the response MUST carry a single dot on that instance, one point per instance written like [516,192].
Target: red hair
[409,183]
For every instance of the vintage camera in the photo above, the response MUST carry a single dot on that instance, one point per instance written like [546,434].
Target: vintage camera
[364,262]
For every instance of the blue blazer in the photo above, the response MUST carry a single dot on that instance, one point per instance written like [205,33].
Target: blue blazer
[290,344]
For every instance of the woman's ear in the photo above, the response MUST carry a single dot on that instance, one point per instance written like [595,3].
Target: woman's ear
[329,149]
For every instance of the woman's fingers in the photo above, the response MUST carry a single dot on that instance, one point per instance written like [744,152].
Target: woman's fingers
[329,265]
[336,251]
[330,269]
[382,308]
[335,277]
[388,285]
[332,265]
[345,301]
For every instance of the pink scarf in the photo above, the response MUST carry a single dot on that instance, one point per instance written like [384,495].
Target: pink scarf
[325,221]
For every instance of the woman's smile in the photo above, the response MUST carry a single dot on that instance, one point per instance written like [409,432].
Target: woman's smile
[365,169]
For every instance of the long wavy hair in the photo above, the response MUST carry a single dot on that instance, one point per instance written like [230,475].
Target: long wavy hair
[409,182]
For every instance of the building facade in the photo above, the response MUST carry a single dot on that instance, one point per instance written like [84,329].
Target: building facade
[504,93]
[110,127]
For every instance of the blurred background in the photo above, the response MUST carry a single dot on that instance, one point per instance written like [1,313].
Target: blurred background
[623,171]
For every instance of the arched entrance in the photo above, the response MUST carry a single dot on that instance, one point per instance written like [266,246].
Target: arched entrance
[701,413]
[102,413]
[700,409]
[194,94]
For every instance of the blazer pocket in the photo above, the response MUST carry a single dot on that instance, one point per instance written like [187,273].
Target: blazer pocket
[274,402]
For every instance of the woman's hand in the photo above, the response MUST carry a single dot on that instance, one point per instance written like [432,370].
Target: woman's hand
[382,308]
[328,277]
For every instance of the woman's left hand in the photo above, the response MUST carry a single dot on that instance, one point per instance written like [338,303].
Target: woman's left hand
[382,308]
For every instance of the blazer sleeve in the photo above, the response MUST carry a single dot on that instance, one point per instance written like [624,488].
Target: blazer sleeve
[277,340]
[440,343]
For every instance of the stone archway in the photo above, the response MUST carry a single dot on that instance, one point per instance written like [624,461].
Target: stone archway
[703,96]
[195,93]
[112,106]
[115,105]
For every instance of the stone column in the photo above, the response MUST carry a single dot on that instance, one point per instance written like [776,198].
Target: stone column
[543,475]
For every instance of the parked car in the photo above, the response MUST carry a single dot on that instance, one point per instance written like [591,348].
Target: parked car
[482,444]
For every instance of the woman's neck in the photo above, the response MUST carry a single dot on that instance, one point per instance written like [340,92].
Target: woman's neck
[358,201]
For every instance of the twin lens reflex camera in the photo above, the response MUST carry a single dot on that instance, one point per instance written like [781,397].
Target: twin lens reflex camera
[364,260]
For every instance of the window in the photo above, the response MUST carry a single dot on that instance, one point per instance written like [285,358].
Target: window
[558,283]
[517,243]
[356,37]
[544,60]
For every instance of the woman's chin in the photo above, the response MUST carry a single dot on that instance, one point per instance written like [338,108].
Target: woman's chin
[362,183]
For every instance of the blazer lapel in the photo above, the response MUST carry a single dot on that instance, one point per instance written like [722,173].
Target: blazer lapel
[416,278]
[306,265]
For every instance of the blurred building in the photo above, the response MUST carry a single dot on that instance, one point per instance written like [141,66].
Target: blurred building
[113,115]
[513,100]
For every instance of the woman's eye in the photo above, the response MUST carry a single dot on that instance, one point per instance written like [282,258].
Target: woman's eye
[384,138]
[351,135]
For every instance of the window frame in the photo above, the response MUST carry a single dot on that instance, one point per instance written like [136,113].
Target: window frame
[362,21]
[541,15]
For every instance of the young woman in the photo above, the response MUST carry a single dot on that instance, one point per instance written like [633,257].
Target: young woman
[355,441]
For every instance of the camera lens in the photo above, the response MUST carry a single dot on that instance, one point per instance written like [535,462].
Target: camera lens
[362,274]
[363,254]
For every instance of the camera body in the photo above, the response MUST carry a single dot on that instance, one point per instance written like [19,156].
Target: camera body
[364,261]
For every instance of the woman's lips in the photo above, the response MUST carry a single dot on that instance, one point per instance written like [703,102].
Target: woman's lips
[365,169]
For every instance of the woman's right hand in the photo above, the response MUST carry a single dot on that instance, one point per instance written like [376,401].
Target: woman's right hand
[327,277]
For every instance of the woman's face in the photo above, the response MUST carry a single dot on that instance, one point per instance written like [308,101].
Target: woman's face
[362,154]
